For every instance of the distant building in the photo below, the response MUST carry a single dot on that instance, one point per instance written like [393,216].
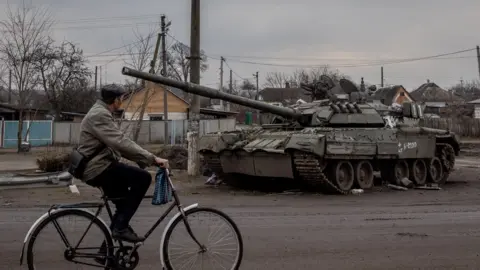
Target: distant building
[394,94]
[287,95]
[177,106]
[431,92]
[476,110]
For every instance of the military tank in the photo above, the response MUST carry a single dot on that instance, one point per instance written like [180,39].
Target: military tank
[332,144]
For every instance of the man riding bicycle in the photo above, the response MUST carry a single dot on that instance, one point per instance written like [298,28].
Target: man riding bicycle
[102,140]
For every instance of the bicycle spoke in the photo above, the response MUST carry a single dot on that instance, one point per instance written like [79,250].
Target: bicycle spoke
[214,232]
[47,252]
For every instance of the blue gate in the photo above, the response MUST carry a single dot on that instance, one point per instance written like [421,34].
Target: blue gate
[40,133]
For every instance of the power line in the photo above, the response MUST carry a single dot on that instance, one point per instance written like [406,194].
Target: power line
[96,19]
[124,46]
[308,58]
[233,71]
[373,63]
[103,26]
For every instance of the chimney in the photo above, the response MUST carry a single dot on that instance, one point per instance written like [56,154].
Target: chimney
[428,81]
[287,85]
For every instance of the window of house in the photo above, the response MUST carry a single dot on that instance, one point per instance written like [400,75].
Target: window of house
[402,94]
[156,118]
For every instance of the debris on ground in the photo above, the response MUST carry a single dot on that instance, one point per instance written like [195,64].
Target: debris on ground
[213,180]
[395,187]
[406,183]
[429,187]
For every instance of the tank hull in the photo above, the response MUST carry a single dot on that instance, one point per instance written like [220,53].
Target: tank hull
[331,160]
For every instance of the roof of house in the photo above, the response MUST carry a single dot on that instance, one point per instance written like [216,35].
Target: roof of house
[476,101]
[141,88]
[282,94]
[432,92]
[387,94]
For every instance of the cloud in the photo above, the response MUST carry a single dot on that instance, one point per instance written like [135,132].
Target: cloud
[338,33]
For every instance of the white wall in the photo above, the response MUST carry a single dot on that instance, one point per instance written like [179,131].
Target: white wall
[150,131]
[477,111]
[146,116]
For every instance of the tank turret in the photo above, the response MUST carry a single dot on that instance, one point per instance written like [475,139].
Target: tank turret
[334,105]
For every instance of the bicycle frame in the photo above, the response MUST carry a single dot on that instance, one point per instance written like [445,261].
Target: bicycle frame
[100,206]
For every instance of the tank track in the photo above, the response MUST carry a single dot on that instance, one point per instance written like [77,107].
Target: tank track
[213,162]
[310,170]
[446,150]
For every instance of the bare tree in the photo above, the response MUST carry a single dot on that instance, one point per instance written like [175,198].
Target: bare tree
[469,90]
[141,51]
[280,79]
[178,63]
[23,33]
[276,79]
[61,70]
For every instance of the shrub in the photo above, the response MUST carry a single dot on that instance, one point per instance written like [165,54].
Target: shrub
[53,160]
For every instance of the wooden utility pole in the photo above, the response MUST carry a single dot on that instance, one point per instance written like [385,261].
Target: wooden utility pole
[256,78]
[221,80]
[478,59]
[9,86]
[100,76]
[194,112]
[96,75]
[164,73]
[230,87]
[381,76]
[256,96]
[147,92]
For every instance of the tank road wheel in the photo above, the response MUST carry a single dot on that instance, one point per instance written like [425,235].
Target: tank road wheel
[447,157]
[364,174]
[418,171]
[435,171]
[343,175]
[401,171]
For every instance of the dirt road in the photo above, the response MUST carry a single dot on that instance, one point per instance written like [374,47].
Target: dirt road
[382,230]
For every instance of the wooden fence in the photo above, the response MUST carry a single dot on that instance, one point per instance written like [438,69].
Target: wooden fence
[464,127]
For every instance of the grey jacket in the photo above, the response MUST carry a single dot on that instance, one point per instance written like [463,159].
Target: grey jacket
[99,128]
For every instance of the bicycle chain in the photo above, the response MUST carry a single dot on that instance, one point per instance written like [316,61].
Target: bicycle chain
[310,170]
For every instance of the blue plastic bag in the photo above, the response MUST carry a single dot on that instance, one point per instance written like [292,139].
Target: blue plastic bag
[163,190]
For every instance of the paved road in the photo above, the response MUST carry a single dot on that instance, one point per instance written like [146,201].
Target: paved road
[384,230]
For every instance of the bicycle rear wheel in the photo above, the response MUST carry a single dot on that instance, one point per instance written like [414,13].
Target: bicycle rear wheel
[84,257]
[220,253]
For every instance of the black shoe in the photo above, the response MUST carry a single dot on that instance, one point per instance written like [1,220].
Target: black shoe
[127,235]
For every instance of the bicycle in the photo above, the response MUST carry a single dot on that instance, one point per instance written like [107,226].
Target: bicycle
[123,256]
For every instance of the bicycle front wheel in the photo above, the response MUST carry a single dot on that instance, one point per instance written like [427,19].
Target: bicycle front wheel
[69,237]
[214,230]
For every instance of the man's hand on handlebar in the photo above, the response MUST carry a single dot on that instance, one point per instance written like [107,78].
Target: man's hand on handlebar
[162,162]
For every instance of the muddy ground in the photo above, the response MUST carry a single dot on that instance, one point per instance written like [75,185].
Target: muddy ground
[384,229]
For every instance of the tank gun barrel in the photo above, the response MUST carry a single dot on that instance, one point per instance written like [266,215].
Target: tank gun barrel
[212,93]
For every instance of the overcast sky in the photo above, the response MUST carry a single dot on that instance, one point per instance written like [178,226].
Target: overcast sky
[339,33]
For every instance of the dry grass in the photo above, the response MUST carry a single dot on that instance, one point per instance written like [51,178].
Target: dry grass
[53,159]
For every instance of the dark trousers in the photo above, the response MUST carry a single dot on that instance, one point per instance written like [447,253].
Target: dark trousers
[128,183]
